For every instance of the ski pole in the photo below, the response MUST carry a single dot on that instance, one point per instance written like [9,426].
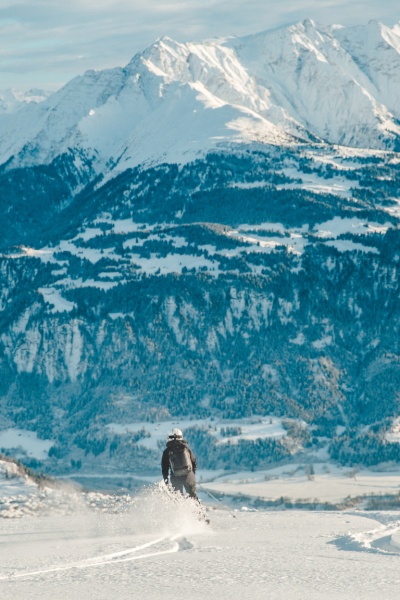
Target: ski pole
[217,499]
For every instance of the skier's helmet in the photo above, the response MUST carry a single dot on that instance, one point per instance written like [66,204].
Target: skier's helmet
[175,434]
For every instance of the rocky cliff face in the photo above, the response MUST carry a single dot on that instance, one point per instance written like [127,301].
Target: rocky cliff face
[179,238]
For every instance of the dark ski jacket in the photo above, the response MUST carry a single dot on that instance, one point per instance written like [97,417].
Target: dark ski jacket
[165,466]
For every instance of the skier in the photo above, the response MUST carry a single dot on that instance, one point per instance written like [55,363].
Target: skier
[178,459]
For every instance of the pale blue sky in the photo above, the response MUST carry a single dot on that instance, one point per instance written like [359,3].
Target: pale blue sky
[45,43]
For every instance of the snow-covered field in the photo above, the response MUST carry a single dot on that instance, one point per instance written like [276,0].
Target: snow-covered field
[248,428]
[27,441]
[156,548]
[309,484]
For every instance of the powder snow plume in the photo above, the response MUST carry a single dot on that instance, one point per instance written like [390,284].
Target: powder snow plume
[157,509]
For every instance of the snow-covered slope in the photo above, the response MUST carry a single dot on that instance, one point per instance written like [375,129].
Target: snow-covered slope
[375,49]
[163,553]
[176,100]
[337,82]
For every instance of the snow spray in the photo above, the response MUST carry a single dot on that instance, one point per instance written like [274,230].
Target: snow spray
[158,509]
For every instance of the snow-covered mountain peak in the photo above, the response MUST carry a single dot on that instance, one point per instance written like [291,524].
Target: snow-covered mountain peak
[307,27]
[162,56]
[12,100]
[300,82]
[372,35]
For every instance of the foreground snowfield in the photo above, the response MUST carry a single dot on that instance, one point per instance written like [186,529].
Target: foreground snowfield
[155,547]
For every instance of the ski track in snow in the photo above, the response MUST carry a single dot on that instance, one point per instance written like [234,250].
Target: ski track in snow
[107,559]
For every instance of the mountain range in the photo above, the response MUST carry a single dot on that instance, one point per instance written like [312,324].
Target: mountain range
[295,84]
[210,231]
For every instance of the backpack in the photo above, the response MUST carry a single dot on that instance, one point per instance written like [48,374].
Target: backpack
[180,461]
